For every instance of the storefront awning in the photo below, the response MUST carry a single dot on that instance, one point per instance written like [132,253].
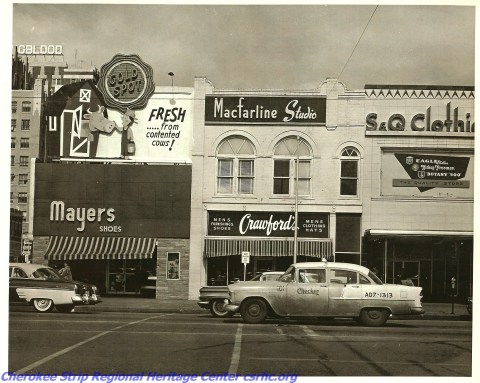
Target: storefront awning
[412,233]
[63,248]
[218,247]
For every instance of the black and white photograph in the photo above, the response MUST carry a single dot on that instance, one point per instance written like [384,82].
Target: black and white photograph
[239,191]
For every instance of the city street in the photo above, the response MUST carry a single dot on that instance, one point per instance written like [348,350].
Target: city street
[162,343]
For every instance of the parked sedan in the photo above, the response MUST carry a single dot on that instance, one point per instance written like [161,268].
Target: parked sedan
[324,289]
[42,287]
[213,297]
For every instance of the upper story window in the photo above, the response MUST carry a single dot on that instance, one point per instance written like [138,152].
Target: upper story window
[22,179]
[284,167]
[26,106]
[235,169]
[13,124]
[22,197]
[349,161]
[12,160]
[24,142]
[14,107]
[12,143]
[25,125]
[23,160]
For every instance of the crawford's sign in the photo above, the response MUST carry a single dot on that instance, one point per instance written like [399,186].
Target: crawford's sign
[265,110]
[422,123]
[126,82]
[261,224]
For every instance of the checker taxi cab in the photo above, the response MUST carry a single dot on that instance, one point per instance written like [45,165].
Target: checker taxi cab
[324,289]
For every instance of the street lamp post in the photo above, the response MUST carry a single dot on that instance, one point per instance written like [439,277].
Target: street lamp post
[295,233]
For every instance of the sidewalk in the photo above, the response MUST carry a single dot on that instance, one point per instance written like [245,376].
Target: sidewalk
[440,311]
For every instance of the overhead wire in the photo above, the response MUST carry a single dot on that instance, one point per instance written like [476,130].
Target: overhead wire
[355,47]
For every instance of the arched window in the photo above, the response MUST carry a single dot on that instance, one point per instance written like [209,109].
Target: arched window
[349,172]
[235,170]
[284,166]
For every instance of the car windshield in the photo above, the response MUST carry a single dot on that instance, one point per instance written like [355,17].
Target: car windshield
[375,278]
[266,277]
[47,273]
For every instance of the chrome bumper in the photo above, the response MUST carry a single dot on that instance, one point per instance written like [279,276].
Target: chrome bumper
[204,304]
[86,299]
[417,310]
[231,308]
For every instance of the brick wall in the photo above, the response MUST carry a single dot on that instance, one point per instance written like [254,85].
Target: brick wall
[172,288]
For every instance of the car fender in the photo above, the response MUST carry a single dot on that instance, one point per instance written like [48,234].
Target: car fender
[58,296]
[272,292]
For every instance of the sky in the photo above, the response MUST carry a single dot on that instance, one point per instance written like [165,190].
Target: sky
[269,46]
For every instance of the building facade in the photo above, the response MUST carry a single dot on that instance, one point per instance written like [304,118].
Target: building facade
[418,217]
[337,162]
[112,196]
[35,76]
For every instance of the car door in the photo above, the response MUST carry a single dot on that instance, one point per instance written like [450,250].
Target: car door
[344,292]
[308,294]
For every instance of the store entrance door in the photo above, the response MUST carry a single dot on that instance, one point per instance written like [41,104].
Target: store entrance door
[121,277]
[263,264]
[419,272]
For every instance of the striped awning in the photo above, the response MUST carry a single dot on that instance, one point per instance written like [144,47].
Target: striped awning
[63,247]
[218,247]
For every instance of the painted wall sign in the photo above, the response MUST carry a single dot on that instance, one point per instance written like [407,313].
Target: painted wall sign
[452,122]
[424,174]
[427,171]
[126,82]
[265,110]
[40,49]
[262,224]
[112,200]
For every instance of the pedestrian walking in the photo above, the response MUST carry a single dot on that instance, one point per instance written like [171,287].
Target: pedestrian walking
[65,272]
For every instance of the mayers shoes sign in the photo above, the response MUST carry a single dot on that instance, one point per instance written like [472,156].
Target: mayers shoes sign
[126,82]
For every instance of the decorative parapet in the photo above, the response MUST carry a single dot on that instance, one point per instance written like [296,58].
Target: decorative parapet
[419,92]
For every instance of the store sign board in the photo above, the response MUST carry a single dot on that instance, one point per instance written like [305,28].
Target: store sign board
[47,49]
[126,82]
[86,129]
[264,224]
[428,171]
[447,120]
[112,200]
[265,110]
[427,174]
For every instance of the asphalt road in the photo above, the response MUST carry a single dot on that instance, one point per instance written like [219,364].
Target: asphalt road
[136,343]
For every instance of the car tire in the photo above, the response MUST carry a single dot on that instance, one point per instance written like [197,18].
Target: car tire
[217,309]
[373,317]
[254,310]
[64,308]
[43,305]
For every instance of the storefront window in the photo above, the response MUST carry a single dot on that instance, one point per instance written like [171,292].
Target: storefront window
[173,265]
[235,171]
[128,276]
[347,244]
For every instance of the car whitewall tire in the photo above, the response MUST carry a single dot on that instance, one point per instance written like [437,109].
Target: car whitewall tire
[43,305]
